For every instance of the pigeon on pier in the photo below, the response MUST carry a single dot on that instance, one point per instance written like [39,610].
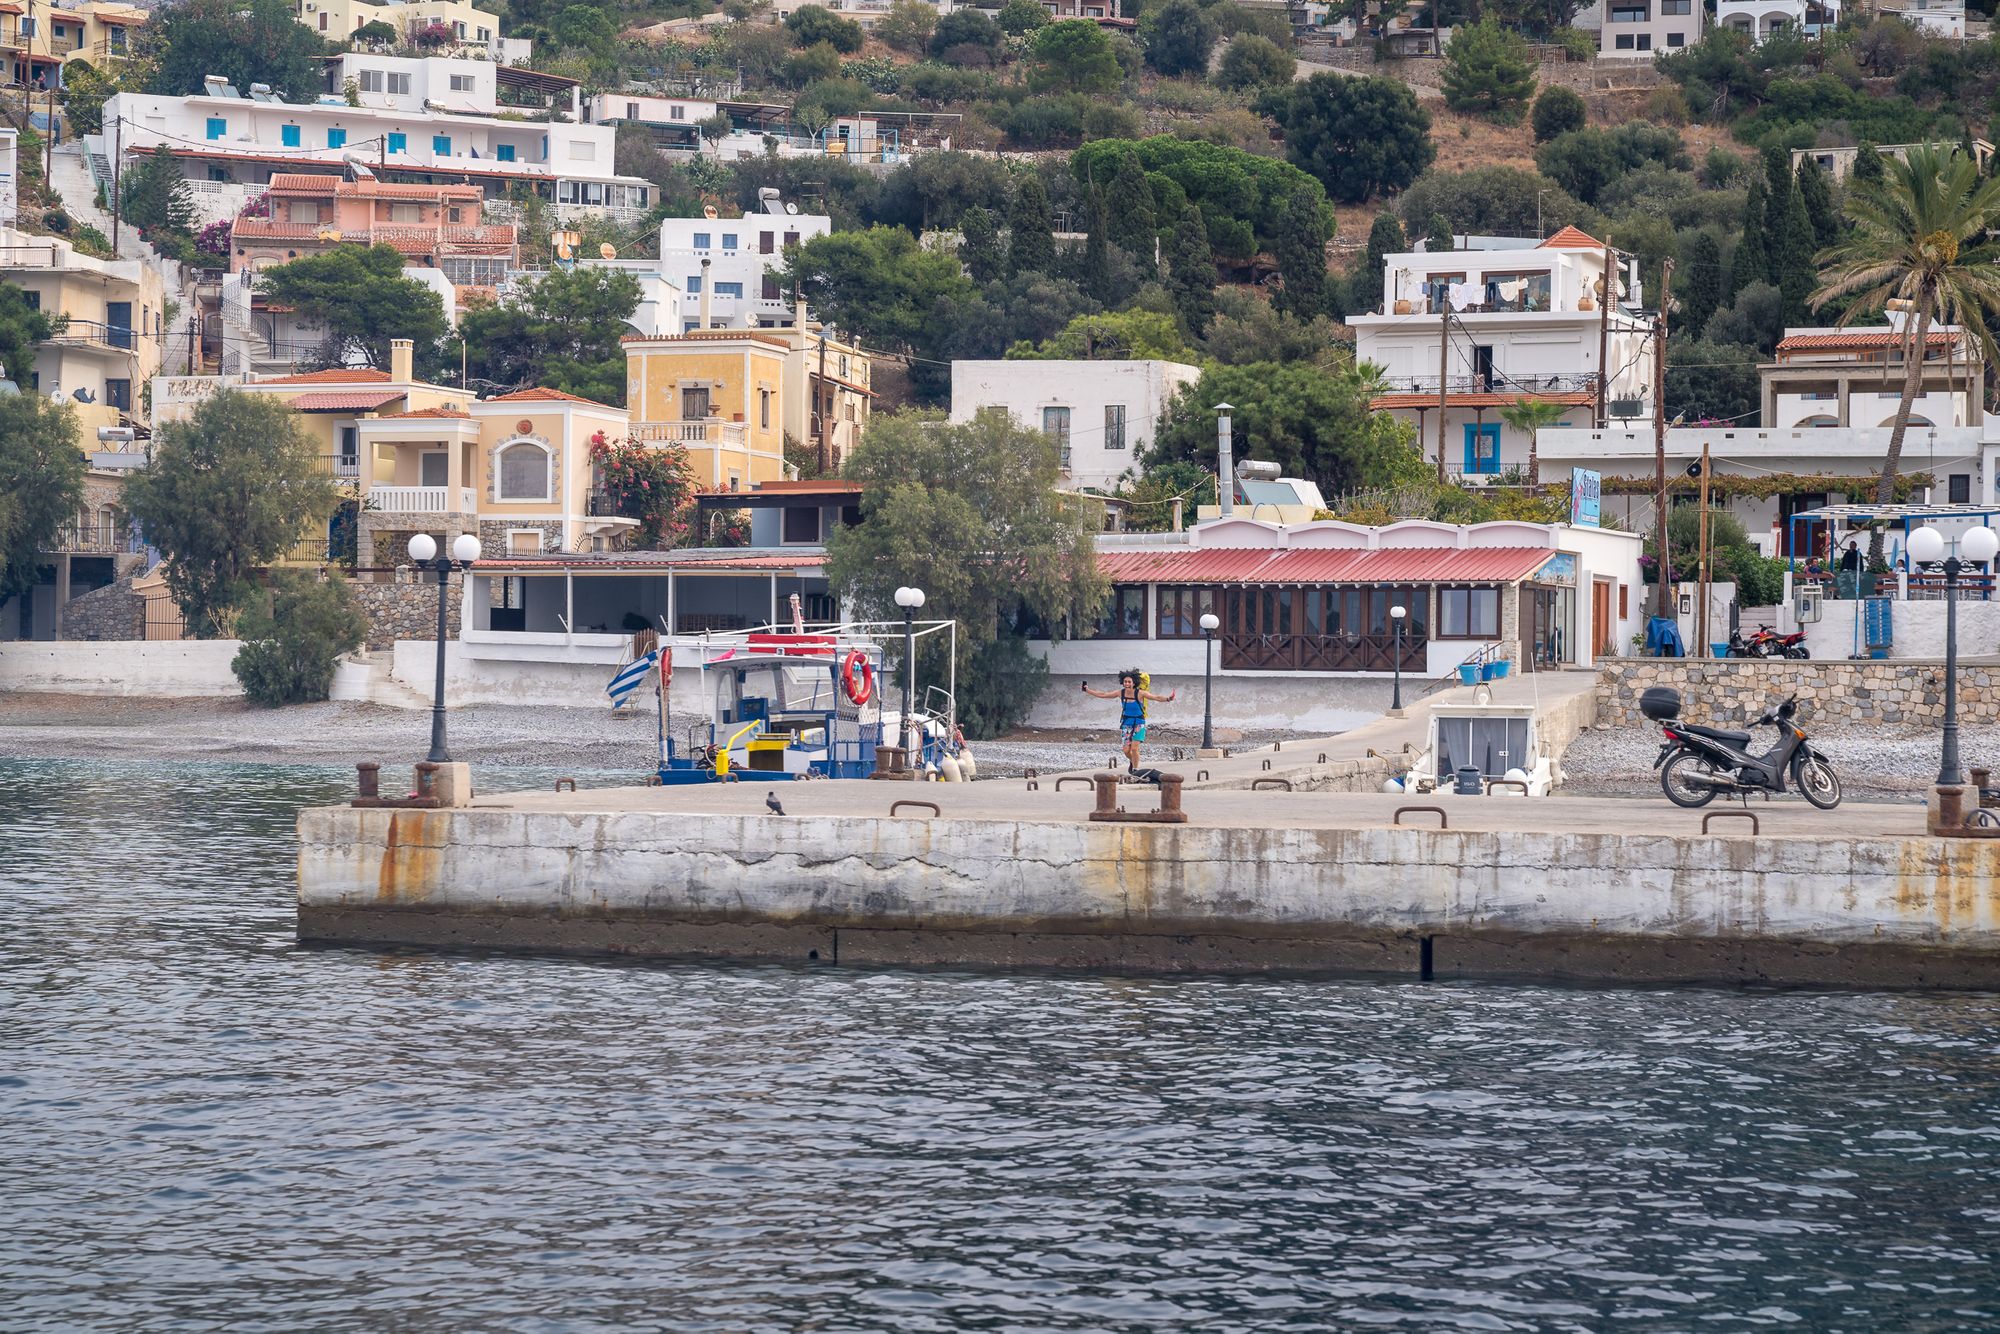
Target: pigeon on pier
[771,804]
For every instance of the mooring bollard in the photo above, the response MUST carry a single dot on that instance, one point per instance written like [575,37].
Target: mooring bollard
[370,776]
[1107,794]
[561,781]
[1170,794]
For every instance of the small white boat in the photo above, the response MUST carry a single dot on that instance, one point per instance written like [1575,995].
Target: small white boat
[1500,741]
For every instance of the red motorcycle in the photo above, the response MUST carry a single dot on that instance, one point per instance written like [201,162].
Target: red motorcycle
[1768,643]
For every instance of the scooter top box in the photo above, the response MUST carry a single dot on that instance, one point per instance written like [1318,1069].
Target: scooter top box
[1661,703]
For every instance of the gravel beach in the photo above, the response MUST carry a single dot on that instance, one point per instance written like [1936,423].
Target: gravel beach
[35,726]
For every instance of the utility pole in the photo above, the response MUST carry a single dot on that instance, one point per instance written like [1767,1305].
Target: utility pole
[194,338]
[117,151]
[1660,430]
[1701,614]
[1604,300]
[1444,354]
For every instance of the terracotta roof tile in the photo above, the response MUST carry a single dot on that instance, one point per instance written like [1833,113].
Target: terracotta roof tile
[355,400]
[541,395]
[1345,565]
[1571,238]
[455,414]
[338,375]
[1853,342]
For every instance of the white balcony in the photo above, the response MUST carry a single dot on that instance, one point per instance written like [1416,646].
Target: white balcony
[421,500]
[708,433]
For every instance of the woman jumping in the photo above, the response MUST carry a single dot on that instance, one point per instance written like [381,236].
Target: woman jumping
[1133,697]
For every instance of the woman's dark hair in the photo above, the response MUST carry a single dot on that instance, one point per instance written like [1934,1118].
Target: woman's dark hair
[1130,674]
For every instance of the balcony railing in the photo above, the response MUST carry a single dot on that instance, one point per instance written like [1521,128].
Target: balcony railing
[421,500]
[340,465]
[1571,382]
[708,431]
[604,505]
[100,538]
[86,333]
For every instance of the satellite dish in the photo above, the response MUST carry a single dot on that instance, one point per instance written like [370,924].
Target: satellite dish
[792,209]
[608,251]
[708,211]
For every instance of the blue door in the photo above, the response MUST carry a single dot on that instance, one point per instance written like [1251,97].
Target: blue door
[1482,448]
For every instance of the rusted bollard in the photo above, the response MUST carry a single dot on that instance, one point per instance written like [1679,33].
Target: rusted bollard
[1107,794]
[426,780]
[1170,793]
[370,776]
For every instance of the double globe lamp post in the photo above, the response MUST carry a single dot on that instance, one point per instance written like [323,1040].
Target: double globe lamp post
[424,554]
[1976,547]
[910,600]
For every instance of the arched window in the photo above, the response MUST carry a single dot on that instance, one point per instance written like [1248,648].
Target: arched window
[1821,420]
[524,471]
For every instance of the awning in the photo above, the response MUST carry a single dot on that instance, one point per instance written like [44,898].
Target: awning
[351,400]
[1422,565]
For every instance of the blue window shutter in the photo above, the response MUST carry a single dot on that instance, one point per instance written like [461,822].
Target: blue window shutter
[336,138]
[441,145]
[1482,448]
[217,127]
[288,135]
[505,152]
[398,143]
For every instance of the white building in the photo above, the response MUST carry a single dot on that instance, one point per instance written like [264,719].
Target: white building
[728,267]
[1639,29]
[1854,377]
[1838,162]
[1103,414]
[1760,18]
[756,128]
[1932,18]
[1511,319]
[426,121]
[10,167]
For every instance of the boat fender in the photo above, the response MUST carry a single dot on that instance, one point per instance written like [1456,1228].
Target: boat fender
[948,769]
[857,677]
[968,768]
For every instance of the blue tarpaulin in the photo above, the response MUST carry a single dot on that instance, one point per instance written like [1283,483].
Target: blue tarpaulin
[1663,638]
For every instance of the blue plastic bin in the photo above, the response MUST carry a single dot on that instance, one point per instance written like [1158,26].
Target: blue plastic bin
[1468,673]
[1497,670]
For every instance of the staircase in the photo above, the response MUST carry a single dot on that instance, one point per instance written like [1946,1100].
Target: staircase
[367,681]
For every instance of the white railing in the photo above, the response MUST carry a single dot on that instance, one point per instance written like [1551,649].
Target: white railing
[421,499]
[707,431]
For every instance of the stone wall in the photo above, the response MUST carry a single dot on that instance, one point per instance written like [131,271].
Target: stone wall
[1830,693]
[407,609]
[111,612]
[494,533]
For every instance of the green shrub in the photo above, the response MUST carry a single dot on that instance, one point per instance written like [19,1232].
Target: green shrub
[290,650]
[1557,111]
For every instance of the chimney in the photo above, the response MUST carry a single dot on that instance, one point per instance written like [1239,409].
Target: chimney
[401,355]
[799,317]
[706,288]
[1225,461]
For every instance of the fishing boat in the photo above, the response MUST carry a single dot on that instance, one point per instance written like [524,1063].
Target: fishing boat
[786,705]
[1498,741]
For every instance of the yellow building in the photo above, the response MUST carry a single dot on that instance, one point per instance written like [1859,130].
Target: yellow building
[718,393]
[515,469]
[113,342]
[37,37]
[336,20]
[826,393]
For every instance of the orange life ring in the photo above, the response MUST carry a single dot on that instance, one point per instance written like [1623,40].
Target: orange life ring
[857,678]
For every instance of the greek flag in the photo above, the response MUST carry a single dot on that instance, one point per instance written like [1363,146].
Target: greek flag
[630,677]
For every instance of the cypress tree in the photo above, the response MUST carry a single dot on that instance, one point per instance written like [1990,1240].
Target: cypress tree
[1817,193]
[1031,240]
[1128,199]
[1364,286]
[1301,254]
[1753,260]
[979,246]
[1438,234]
[1700,282]
[1191,270]
[1097,251]
[1867,163]
[1792,250]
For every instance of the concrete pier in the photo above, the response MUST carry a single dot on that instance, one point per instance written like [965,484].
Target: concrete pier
[1002,875]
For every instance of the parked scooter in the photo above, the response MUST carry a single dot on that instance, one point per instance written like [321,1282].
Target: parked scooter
[1697,763]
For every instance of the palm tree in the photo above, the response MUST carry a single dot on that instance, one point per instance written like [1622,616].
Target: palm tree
[1917,235]
[1531,415]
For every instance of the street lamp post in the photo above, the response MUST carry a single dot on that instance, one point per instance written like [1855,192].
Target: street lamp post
[909,599]
[1208,624]
[1396,614]
[1976,547]
[424,553]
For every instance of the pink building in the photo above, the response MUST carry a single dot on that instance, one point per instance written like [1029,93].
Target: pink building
[433,226]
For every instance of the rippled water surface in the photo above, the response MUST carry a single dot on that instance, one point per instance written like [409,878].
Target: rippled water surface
[207,1126]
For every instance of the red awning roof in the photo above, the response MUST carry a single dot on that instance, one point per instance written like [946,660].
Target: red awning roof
[1260,565]
[1391,402]
[655,562]
[351,400]
[1853,342]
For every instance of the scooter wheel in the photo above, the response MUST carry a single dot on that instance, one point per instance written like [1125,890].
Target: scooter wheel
[1679,790]
[1819,784]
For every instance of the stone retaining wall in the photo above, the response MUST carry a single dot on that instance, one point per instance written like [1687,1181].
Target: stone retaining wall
[1905,692]
[111,612]
[407,610]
